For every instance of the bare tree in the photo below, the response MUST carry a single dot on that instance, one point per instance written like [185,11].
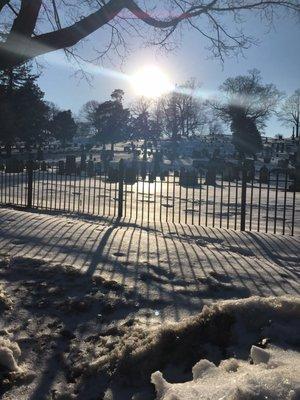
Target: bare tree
[290,111]
[215,127]
[29,28]
[147,120]
[246,106]
[183,111]
[248,92]
[141,105]
[87,111]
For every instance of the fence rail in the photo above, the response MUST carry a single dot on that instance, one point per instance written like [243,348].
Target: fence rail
[269,205]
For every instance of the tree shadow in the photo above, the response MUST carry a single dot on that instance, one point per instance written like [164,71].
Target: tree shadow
[127,270]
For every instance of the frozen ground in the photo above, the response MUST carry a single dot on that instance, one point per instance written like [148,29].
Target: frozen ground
[89,303]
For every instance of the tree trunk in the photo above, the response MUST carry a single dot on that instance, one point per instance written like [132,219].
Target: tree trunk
[145,151]
[8,149]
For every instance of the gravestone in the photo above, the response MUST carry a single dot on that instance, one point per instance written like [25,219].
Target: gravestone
[40,154]
[188,178]
[14,165]
[83,159]
[112,174]
[43,166]
[70,165]
[228,173]
[264,174]
[130,174]
[211,174]
[90,168]
[250,170]
[61,167]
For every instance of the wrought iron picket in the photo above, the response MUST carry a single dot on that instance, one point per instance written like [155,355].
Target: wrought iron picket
[270,204]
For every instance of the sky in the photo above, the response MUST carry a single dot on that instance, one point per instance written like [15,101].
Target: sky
[277,56]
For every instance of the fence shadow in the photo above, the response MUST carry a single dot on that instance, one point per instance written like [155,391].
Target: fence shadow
[167,271]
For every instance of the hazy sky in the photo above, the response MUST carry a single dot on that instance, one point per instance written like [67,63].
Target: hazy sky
[277,57]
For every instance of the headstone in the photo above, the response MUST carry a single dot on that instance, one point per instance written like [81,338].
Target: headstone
[61,167]
[130,174]
[263,174]
[211,174]
[113,175]
[188,178]
[90,168]
[228,173]
[250,170]
[40,154]
[83,160]
[98,168]
[43,166]
[14,165]
[70,165]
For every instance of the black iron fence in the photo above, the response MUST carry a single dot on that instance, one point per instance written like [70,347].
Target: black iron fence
[265,202]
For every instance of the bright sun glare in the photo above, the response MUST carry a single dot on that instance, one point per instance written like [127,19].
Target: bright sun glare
[151,81]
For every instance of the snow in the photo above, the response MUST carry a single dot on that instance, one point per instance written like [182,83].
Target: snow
[98,306]
[259,355]
[175,269]
[274,372]
[9,352]
[278,379]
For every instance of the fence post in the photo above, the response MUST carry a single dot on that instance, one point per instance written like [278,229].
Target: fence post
[243,196]
[121,188]
[29,167]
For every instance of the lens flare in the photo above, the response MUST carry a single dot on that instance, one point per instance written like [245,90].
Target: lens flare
[151,81]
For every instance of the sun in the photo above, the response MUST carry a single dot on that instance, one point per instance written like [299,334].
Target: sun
[151,81]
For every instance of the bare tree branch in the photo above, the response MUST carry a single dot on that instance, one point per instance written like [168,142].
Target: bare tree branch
[3,3]
[22,45]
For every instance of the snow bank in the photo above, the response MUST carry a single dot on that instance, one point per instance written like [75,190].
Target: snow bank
[9,353]
[274,371]
[276,379]
[223,330]
[5,301]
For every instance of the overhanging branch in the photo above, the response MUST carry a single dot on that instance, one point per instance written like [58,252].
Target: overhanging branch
[21,45]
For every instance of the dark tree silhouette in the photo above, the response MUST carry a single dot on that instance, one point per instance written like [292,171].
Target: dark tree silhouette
[110,119]
[32,112]
[37,27]
[23,111]
[10,80]
[63,127]
[245,135]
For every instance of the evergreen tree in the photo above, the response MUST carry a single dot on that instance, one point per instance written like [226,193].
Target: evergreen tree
[63,127]
[111,120]
[245,135]
[22,107]
[31,113]
[141,126]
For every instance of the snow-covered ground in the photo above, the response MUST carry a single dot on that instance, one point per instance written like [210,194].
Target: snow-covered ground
[91,308]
